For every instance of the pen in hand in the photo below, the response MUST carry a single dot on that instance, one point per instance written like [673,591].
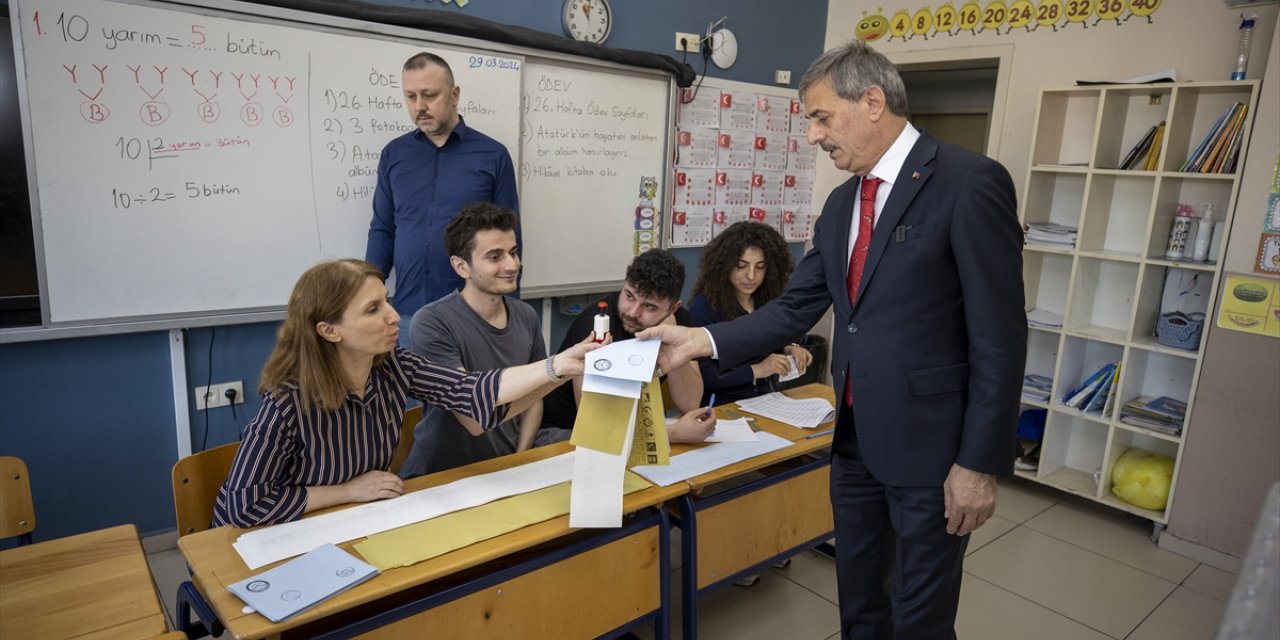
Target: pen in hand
[711,406]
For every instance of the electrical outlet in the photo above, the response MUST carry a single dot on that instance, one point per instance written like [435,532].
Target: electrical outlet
[214,395]
[782,76]
[687,42]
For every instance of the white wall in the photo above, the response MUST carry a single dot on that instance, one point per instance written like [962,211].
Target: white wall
[1230,459]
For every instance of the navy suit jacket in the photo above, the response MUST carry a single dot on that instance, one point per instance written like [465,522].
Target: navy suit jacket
[937,342]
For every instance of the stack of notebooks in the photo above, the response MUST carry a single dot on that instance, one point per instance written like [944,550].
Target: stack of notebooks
[1163,414]
[1036,387]
[1220,148]
[1044,319]
[1144,155]
[1097,392]
[1051,234]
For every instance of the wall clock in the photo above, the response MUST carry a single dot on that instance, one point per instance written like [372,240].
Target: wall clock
[588,20]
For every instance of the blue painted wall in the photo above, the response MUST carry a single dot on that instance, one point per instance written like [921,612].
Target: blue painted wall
[93,417]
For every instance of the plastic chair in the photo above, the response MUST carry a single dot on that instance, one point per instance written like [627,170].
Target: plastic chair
[17,511]
[196,481]
[411,419]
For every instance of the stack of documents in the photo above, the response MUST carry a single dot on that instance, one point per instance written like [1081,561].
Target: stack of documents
[1044,319]
[1051,234]
[302,582]
[807,413]
[1163,414]
[1036,387]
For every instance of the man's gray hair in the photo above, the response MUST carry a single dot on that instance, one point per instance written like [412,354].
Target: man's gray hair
[854,68]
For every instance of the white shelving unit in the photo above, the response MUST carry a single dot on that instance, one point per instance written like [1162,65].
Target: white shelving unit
[1108,289]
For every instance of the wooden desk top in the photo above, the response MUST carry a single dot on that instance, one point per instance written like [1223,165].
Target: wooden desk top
[92,585]
[800,445]
[216,564]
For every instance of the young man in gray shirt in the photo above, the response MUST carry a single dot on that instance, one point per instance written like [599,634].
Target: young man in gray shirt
[476,329]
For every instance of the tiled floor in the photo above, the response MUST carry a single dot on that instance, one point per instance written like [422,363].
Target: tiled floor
[1047,567]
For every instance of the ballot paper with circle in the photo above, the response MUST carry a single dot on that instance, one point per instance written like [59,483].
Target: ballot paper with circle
[618,392]
[303,582]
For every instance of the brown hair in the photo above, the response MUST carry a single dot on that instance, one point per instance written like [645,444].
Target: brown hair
[720,257]
[460,233]
[301,355]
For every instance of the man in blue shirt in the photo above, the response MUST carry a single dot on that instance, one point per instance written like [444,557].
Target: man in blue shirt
[424,178]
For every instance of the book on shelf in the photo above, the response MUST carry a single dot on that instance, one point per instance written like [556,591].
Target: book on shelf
[1080,396]
[1110,403]
[1036,387]
[1201,149]
[1097,401]
[1139,150]
[1051,234]
[1163,414]
[1232,140]
[1153,152]
[1044,319]
[1214,153]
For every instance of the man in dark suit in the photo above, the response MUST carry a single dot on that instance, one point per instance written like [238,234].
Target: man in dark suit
[919,257]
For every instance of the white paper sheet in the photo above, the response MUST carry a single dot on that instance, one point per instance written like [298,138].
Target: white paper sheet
[629,360]
[792,373]
[264,546]
[806,413]
[736,430]
[611,386]
[595,497]
[710,458]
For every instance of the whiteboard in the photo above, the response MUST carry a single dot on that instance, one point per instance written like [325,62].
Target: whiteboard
[592,140]
[189,165]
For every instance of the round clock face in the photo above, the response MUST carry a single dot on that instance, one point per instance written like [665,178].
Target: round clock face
[588,20]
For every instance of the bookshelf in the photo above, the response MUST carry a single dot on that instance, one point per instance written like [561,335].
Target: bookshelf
[1108,288]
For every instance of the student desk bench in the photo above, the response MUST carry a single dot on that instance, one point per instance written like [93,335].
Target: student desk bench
[542,581]
[775,506]
[86,586]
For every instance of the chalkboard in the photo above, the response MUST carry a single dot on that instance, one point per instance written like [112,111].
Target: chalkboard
[190,162]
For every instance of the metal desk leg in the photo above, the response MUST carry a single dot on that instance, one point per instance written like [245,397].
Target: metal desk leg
[689,567]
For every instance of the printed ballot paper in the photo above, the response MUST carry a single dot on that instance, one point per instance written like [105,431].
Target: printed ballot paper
[805,413]
[619,424]
[303,582]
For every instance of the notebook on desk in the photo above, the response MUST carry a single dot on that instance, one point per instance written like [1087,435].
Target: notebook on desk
[303,582]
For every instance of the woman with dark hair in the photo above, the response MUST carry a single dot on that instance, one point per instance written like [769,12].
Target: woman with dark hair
[744,267]
[333,397]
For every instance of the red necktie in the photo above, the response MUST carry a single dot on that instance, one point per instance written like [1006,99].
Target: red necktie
[857,259]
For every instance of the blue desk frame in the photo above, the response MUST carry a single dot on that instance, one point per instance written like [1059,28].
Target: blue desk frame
[688,523]
[660,616]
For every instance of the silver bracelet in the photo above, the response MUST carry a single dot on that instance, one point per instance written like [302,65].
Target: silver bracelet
[551,370]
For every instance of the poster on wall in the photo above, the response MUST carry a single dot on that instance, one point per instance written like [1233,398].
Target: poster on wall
[1001,18]
[1251,305]
[741,155]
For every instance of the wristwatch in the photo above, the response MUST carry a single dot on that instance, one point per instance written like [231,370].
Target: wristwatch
[551,370]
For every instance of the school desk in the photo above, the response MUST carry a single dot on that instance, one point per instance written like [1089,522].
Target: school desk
[542,581]
[86,586]
[744,529]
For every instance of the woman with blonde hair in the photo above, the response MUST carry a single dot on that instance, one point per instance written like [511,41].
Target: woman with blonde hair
[333,397]
[741,269]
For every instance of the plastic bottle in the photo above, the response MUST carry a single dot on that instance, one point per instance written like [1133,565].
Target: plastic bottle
[1179,231]
[1204,234]
[601,325]
[1246,39]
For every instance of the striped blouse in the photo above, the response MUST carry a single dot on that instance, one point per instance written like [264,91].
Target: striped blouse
[285,450]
